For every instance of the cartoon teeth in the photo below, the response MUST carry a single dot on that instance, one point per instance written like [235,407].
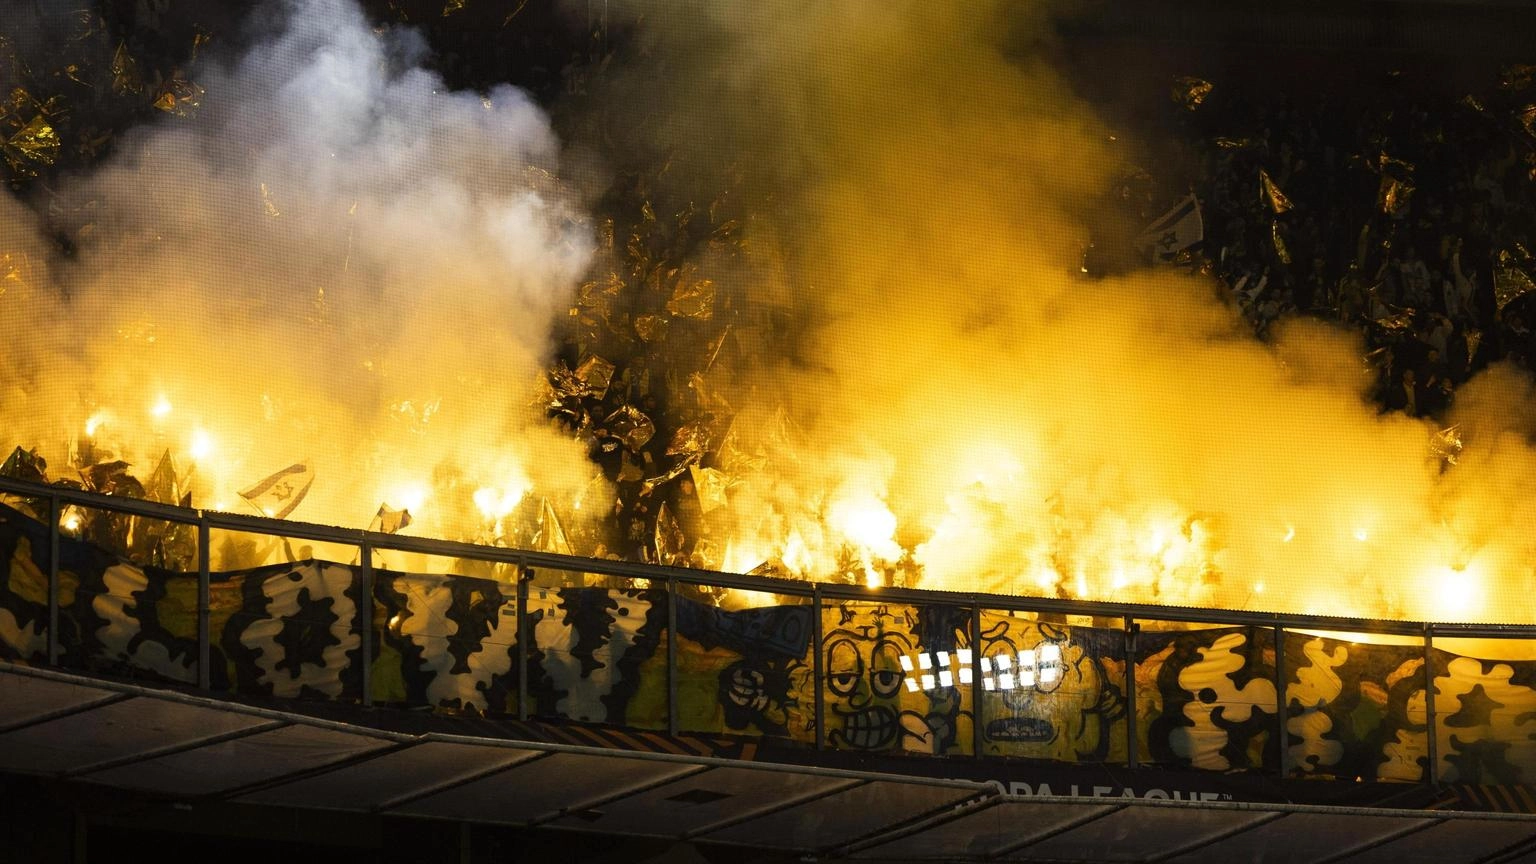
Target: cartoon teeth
[871,729]
[1040,668]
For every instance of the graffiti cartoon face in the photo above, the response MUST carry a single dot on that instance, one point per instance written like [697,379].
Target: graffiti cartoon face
[1045,695]
[864,678]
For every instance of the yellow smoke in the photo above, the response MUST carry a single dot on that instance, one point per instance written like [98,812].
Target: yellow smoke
[337,260]
[1016,427]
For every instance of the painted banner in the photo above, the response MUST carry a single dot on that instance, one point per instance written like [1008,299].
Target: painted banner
[895,678]
[1206,699]
[1355,711]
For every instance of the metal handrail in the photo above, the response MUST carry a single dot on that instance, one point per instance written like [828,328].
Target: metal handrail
[539,560]
[529,561]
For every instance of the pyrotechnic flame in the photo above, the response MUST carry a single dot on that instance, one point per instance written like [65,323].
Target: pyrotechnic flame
[95,422]
[868,524]
[1457,591]
[411,495]
[495,503]
[201,446]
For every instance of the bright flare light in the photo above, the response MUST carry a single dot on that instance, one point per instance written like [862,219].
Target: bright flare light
[412,497]
[867,523]
[496,503]
[161,408]
[1457,590]
[95,422]
[202,445]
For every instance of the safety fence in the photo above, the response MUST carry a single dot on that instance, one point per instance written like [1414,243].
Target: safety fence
[94,583]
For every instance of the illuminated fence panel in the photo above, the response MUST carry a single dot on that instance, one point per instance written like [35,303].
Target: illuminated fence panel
[747,669]
[897,677]
[596,654]
[492,631]
[136,620]
[120,613]
[446,642]
[1052,691]
[1485,711]
[24,588]
[1205,698]
[1355,707]
[294,632]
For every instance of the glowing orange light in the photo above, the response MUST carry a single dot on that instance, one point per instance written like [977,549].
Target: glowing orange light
[867,523]
[202,445]
[496,503]
[412,497]
[95,422]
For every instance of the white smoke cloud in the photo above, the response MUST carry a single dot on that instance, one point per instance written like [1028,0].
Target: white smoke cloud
[336,258]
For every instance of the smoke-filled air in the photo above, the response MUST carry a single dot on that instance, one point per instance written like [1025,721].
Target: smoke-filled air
[335,261]
[341,260]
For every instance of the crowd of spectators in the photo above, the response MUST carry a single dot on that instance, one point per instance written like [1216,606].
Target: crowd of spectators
[1382,207]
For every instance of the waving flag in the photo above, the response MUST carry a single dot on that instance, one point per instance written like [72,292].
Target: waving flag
[1270,194]
[1510,280]
[277,495]
[1174,231]
[389,520]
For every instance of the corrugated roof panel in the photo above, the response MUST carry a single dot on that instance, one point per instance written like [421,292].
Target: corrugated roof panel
[112,731]
[673,809]
[402,774]
[844,816]
[1299,838]
[27,699]
[1457,839]
[546,787]
[1139,832]
[231,765]
[138,738]
[987,829]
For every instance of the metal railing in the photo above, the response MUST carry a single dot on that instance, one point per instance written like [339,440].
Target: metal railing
[817,596]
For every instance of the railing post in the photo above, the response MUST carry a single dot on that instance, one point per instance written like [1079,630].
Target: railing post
[1282,703]
[1132,758]
[978,741]
[365,618]
[816,670]
[524,634]
[204,636]
[1432,745]
[55,513]
[672,655]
